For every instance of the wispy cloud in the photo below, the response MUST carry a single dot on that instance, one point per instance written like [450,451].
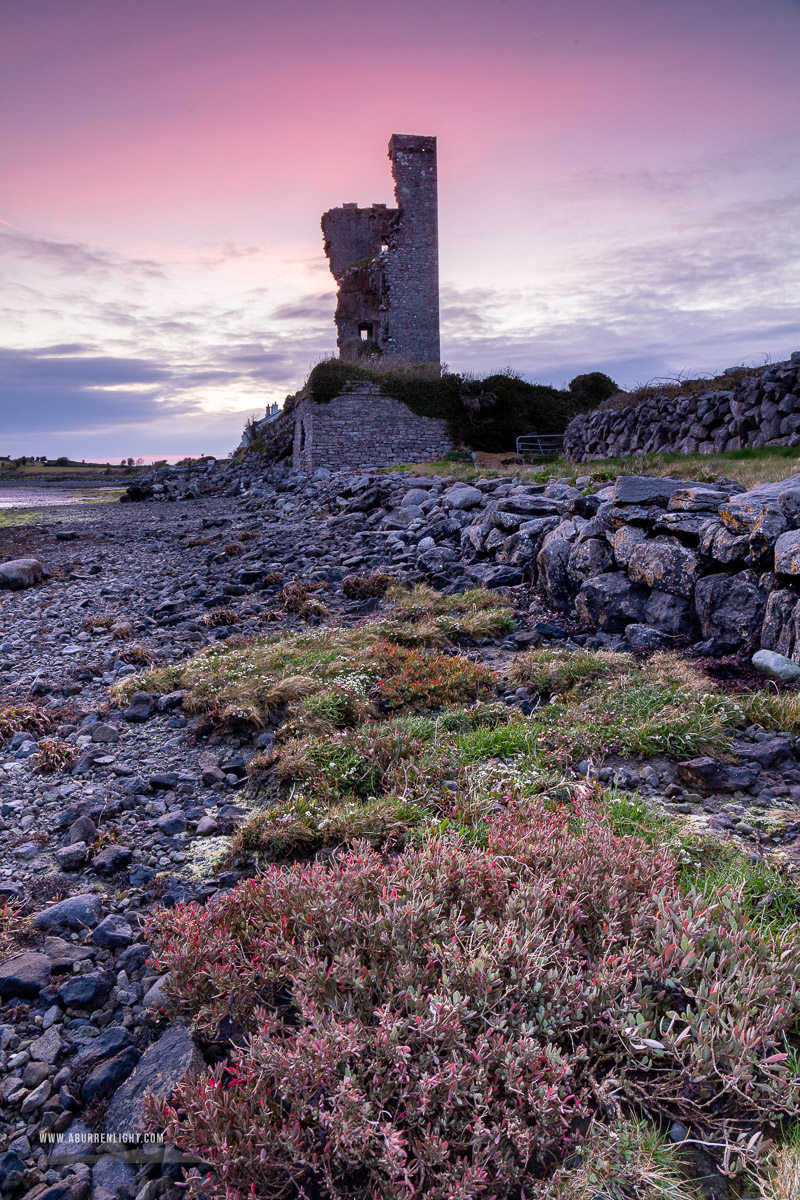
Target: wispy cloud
[75,258]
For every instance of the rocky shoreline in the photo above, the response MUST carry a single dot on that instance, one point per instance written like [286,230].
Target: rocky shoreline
[124,815]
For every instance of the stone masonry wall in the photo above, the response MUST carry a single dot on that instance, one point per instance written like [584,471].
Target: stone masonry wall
[364,428]
[762,410]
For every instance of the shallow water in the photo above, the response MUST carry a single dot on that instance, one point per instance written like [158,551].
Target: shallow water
[44,496]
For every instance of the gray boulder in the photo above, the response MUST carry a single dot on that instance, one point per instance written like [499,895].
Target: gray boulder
[766,530]
[610,602]
[463,497]
[625,539]
[589,558]
[161,1068]
[668,613]
[25,975]
[553,577]
[141,707]
[665,565]
[730,608]
[728,547]
[708,775]
[776,666]
[740,513]
[87,991]
[643,637]
[415,497]
[787,553]
[112,932]
[697,498]
[779,627]
[115,1177]
[644,489]
[19,573]
[75,913]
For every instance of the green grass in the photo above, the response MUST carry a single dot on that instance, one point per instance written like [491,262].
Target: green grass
[627,1160]
[603,703]
[711,865]
[325,674]
[750,467]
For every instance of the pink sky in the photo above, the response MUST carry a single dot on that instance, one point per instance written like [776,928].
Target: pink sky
[619,190]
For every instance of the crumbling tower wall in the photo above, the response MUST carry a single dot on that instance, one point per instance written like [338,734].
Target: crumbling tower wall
[412,264]
[386,263]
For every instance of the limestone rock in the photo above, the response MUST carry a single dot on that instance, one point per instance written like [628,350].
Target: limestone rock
[25,975]
[19,573]
[589,558]
[708,775]
[625,538]
[610,602]
[787,553]
[644,489]
[161,1068]
[554,582]
[665,565]
[668,613]
[730,607]
[776,666]
[464,497]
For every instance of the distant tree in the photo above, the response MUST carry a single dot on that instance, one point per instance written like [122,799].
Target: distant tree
[593,388]
[140,462]
[130,462]
[63,461]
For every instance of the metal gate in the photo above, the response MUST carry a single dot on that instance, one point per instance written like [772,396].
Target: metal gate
[533,446]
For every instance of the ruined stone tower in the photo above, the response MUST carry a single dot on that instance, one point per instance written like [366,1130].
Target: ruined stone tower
[386,263]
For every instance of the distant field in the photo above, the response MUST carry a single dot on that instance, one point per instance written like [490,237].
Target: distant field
[748,467]
[36,472]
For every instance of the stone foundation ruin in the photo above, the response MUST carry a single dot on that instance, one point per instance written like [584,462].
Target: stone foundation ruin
[364,427]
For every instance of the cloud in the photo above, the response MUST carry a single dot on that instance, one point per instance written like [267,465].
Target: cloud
[75,258]
[314,309]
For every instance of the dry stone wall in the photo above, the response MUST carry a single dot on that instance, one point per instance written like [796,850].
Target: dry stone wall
[762,410]
[655,561]
[364,428]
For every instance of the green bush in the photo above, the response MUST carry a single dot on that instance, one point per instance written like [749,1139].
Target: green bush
[593,388]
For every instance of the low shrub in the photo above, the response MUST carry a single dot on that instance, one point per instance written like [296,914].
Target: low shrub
[219,617]
[14,929]
[298,598]
[425,617]
[780,1176]
[139,656]
[442,1023]
[97,622]
[54,756]
[417,679]
[628,1160]
[604,702]
[257,678]
[28,717]
[554,672]
[365,587]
